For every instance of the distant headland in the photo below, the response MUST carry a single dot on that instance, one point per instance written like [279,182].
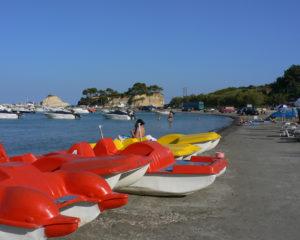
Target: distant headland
[136,96]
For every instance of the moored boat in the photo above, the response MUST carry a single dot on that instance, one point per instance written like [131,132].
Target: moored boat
[119,115]
[5,114]
[62,114]
[8,113]
[80,110]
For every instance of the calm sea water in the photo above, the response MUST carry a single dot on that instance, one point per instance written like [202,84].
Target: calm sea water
[38,134]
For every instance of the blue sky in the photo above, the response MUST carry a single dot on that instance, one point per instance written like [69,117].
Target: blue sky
[61,47]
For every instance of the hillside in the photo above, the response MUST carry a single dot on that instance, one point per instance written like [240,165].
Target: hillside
[286,88]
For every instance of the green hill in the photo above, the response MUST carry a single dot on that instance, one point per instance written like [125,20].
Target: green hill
[286,88]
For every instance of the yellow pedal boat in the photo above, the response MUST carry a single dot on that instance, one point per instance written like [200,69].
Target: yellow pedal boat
[180,151]
[206,141]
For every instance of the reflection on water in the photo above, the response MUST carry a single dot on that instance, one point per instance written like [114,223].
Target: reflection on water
[35,133]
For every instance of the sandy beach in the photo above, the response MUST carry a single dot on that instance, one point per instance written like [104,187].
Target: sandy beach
[257,198]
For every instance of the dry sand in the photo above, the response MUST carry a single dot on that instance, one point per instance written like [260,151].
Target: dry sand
[257,198]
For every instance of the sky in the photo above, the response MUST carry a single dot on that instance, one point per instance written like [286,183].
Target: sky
[61,47]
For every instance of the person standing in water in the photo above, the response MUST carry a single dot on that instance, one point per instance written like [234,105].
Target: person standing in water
[139,129]
[170,118]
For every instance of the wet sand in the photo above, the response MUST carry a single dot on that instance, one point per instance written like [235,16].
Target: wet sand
[257,198]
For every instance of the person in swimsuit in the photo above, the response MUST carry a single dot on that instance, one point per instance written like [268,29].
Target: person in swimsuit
[139,129]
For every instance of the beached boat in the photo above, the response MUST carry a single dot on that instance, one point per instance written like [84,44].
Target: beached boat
[180,151]
[62,114]
[118,115]
[206,141]
[55,205]
[118,170]
[167,177]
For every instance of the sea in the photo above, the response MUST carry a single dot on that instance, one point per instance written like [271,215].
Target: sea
[37,134]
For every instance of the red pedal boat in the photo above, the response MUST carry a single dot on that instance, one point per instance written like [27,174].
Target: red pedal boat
[119,170]
[167,177]
[37,205]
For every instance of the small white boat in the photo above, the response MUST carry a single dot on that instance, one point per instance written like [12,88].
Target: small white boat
[8,114]
[80,110]
[163,112]
[62,115]
[118,115]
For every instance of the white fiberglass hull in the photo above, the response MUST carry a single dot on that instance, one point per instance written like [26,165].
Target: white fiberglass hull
[206,146]
[85,211]
[15,233]
[9,116]
[117,117]
[113,180]
[60,116]
[170,184]
[214,143]
[131,177]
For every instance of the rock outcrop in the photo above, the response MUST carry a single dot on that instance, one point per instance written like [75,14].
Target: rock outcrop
[156,99]
[53,101]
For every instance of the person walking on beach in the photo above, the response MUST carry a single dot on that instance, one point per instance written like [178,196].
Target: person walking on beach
[139,129]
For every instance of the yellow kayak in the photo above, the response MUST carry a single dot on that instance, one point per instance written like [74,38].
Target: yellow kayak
[179,150]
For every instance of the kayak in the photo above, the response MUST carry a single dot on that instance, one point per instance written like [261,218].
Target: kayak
[207,141]
[167,177]
[52,204]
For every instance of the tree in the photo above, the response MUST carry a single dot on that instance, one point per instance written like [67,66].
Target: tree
[154,89]
[137,89]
